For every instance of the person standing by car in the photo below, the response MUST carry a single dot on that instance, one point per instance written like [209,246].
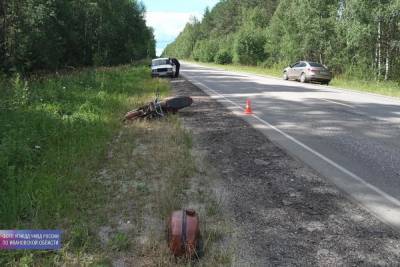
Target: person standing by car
[177,65]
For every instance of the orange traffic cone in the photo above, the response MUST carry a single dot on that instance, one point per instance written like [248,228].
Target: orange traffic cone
[248,109]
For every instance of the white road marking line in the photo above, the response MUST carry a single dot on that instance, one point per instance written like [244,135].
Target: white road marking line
[338,103]
[394,99]
[309,149]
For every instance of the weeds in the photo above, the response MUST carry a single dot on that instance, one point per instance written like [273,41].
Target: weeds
[66,162]
[54,132]
[152,173]
[119,242]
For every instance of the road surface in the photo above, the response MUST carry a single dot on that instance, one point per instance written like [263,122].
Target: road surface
[351,138]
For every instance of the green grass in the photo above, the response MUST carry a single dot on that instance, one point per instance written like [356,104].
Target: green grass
[67,162]
[54,134]
[119,242]
[151,173]
[388,88]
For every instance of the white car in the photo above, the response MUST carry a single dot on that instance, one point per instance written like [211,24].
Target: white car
[162,67]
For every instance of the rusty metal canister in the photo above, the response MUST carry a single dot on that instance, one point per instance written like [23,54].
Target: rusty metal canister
[183,233]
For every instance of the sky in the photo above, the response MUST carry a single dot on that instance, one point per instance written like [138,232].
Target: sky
[169,17]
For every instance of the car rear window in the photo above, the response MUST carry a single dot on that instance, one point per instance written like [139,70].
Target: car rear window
[317,65]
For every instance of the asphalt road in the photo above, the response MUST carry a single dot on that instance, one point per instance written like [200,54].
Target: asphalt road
[351,138]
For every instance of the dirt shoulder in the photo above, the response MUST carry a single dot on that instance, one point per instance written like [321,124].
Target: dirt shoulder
[150,171]
[282,212]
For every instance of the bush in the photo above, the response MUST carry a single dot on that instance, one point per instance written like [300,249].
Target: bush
[249,47]
[223,57]
[205,50]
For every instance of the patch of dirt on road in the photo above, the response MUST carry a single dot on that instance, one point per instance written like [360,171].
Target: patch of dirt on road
[282,212]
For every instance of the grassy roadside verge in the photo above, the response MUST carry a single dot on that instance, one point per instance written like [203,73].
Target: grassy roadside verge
[152,170]
[54,132]
[387,88]
[67,162]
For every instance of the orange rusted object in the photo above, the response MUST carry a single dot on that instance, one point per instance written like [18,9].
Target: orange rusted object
[183,233]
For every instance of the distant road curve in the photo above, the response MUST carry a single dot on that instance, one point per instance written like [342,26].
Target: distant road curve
[351,138]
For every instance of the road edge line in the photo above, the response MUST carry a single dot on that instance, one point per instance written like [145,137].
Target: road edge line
[342,169]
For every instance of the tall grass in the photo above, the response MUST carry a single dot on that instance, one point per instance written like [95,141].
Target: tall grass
[65,163]
[54,132]
[388,88]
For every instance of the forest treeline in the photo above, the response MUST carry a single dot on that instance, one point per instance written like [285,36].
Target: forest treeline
[53,34]
[354,38]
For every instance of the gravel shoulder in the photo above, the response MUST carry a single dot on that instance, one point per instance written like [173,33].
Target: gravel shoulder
[282,212]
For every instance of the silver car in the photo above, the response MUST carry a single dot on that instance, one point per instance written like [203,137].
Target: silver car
[305,71]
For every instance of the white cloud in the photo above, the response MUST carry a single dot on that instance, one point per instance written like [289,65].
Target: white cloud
[168,25]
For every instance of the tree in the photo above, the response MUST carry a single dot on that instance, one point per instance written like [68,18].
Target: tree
[356,38]
[249,46]
[2,32]
[53,34]
[185,43]
[205,50]
[219,28]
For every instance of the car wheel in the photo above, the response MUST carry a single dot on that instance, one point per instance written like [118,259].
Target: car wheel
[303,78]
[285,76]
[325,83]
